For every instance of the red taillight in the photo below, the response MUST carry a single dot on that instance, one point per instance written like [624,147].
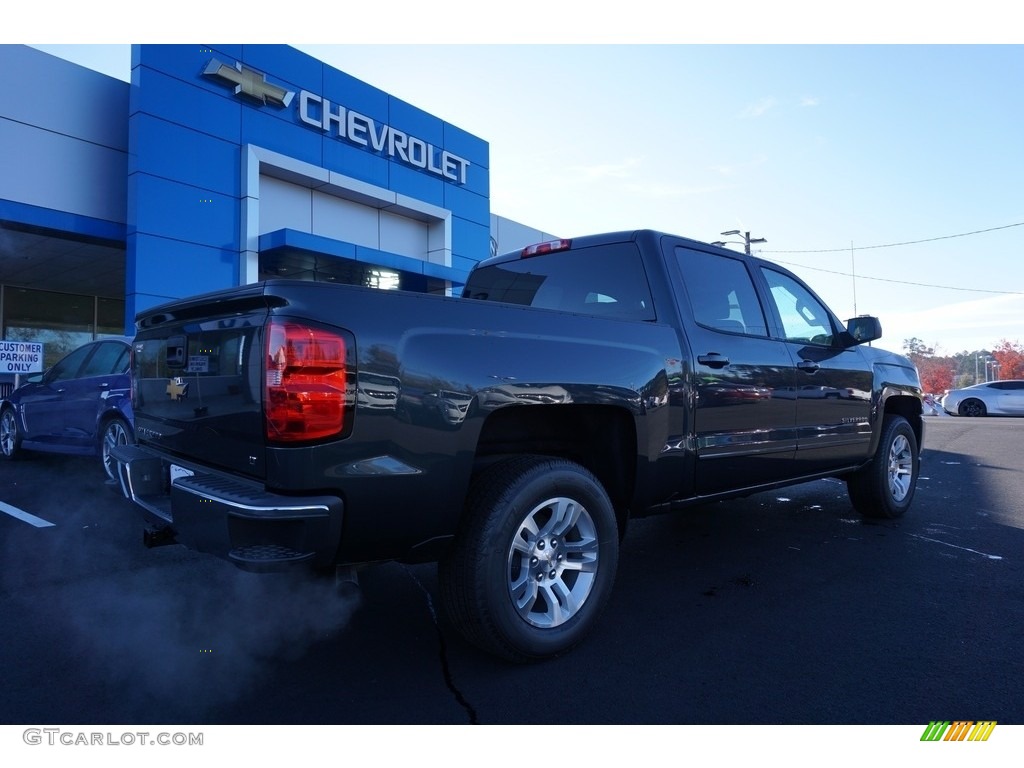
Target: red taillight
[305,389]
[549,247]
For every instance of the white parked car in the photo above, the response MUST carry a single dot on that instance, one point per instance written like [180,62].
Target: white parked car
[996,398]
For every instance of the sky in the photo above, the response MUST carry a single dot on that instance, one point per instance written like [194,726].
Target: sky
[882,167]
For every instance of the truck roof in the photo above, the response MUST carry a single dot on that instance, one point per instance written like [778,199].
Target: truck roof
[587,241]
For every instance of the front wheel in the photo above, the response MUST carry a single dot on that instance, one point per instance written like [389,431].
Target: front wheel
[116,432]
[972,407]
[533,565]
[10,437]
[885,488]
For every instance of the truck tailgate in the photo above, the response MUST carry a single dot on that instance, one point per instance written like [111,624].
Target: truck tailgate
[198,388]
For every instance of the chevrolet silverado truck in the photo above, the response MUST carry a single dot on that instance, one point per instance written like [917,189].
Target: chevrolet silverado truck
[507,434]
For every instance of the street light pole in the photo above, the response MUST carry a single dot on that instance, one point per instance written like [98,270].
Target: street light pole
[747,239]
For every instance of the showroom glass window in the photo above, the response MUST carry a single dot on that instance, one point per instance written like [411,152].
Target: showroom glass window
[60,321]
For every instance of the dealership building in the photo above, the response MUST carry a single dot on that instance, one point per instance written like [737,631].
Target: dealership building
[215,167]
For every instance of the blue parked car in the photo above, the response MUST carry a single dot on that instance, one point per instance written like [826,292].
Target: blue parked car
[82,405]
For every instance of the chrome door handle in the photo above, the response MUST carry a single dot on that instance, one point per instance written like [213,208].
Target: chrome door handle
[713,360]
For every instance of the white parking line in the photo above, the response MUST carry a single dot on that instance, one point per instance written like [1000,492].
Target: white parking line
[25,517]
[954,546]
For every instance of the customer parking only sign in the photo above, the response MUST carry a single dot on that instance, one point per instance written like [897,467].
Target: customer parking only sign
[21,357]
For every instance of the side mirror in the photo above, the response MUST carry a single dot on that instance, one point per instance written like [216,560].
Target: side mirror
[860,330]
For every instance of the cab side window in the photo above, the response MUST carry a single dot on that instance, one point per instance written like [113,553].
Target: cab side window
[804,319]
[721,293]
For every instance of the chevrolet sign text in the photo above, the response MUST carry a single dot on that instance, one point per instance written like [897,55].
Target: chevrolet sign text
[334,120]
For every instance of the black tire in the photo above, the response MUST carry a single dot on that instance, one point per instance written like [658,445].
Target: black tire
[534,562]
[115,432]
[972,407]
[10,435]
[885,488]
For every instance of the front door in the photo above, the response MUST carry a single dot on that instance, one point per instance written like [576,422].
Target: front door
[99,379]
[44,406]
[833,382]
[1011,396]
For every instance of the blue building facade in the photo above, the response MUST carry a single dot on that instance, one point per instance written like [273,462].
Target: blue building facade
[217,166]
[248,162]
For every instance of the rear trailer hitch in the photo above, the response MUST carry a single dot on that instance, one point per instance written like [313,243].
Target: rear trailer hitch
[153,536]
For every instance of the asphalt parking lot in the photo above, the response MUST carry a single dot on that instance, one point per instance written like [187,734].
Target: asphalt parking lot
[782,608]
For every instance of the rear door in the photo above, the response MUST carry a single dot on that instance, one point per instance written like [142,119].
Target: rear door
[745,415]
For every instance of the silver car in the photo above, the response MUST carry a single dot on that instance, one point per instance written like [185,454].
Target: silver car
[996,398]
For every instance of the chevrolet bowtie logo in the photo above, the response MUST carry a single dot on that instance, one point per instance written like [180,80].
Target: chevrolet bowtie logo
[249,82]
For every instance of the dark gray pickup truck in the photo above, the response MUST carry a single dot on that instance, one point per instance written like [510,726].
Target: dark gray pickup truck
[510,433]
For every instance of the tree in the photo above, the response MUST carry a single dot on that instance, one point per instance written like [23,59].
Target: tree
[970,367]
[937,373]
[1010,357]
[916,348]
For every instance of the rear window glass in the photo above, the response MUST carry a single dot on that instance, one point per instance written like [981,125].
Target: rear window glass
[607,280]
[196,369]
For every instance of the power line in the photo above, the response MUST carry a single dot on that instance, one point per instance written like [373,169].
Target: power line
[887,280]
[908,242]
[894,245]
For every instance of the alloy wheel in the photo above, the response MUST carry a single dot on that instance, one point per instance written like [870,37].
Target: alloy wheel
[552,562]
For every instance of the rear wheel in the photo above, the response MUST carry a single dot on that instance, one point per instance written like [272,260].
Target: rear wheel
[972,407]
[885,488]
[116,432]
[10,436]
[534,563]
